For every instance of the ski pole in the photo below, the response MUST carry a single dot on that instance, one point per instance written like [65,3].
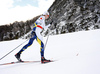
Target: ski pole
[13,50]
[46,42]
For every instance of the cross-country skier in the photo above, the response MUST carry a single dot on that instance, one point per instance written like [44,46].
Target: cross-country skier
[39,25]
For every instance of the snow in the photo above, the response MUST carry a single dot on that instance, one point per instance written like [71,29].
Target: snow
[74,53]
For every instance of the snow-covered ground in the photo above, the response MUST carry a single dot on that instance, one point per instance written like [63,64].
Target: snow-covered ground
[75,53]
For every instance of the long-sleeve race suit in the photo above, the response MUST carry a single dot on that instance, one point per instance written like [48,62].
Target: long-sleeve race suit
[39,25]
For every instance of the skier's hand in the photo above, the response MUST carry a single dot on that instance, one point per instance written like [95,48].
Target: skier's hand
[55,24]
[51,22]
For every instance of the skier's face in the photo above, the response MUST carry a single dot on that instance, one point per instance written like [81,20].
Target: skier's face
[46,16]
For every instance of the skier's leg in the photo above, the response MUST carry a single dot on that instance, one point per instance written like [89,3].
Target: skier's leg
[40,41]
[27,45]
[43,60]
[41,47]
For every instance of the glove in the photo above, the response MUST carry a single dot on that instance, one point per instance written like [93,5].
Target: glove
[51,22]
[55,24]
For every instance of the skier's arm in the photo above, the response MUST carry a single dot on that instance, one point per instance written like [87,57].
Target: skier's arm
[46,27]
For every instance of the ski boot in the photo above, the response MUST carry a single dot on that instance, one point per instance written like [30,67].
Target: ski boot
[43,60]
[18,57]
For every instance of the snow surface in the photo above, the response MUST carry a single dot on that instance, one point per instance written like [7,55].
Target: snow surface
[74,53]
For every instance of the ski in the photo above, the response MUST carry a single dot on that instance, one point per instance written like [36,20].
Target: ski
[23,62]
[19,62]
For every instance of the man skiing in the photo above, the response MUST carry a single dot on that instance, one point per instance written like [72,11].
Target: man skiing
[39,25]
